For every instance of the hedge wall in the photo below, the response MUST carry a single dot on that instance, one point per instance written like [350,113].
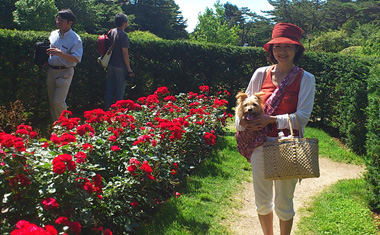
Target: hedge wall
[179,65]
[182,66]
[341,95]
[373,137]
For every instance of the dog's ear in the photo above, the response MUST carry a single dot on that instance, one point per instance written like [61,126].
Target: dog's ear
[241,96]
[259,95]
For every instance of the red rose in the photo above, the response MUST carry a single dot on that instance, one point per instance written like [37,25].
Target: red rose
[151,177]
[97,180]
[132,168]
[51,230]
[75,227]
[61,220]
[81,157]
[107,232]
[135,204]
[112,138]
[49,203]
[134,161]
[71,165]
[54,138]
[145,167]
[59,167]
[209,138]
[87,146]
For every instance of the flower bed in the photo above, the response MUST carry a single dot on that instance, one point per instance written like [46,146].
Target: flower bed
[107,173]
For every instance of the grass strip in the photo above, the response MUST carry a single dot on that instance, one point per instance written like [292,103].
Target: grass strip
[339,209]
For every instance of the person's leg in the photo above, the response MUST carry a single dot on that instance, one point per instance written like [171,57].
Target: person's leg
[63,82]
[50,84]
[286,226]
[263,189]
[120,84]
[266,222]
[284,193]
[110,87]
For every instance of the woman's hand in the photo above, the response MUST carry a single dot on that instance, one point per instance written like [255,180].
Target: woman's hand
[258,123]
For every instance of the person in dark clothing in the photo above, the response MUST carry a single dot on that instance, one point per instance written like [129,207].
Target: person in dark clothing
[119,65]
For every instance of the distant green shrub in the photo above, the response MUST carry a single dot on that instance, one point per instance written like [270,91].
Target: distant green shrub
[333,41]
[352,50]
[372,47]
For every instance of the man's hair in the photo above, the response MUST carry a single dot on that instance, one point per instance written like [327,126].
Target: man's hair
[67,14]
[120,18]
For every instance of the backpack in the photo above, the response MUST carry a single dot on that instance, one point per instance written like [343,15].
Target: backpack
[40,56]
[104,59]
[103,43]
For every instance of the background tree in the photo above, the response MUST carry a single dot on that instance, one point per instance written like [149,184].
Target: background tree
[254,29]
[88,18]
[260,31]
[346,23]
[160,17]
[107,9]
[324,15]
[6,17]
[369,11]
[338,12]
[309,15]
[213,27]
[35,14]
[238,17]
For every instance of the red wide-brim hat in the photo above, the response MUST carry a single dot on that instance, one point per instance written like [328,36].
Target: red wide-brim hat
[285,33]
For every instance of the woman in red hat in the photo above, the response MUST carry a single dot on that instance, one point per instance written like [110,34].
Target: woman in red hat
[287,89]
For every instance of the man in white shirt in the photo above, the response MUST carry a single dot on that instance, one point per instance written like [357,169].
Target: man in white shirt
[65,52]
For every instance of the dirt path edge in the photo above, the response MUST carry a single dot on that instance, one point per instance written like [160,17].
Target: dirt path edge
[244,219]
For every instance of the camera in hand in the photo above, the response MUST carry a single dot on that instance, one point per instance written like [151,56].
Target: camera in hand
[130,80]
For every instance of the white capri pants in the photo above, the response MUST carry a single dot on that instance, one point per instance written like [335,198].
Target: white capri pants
[283,189]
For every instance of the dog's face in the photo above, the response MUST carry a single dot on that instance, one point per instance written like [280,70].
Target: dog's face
[248,107]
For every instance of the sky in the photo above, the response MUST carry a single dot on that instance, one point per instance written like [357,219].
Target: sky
[191,8]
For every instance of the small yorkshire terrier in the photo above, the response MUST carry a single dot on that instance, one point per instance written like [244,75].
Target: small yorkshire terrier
[248,107]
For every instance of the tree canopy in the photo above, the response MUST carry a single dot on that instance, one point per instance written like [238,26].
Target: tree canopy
[161,17]
[35,14]
[213,27]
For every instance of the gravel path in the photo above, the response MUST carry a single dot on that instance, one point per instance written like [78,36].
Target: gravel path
[245,221]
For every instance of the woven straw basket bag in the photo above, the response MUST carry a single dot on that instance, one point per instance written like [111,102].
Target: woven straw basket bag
[291,158]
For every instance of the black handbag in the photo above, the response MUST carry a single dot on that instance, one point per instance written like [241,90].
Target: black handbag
[40,55]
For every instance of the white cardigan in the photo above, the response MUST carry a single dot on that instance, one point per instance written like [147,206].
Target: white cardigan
[304,105]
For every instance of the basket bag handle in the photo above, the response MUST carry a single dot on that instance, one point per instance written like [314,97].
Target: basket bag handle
[291,126]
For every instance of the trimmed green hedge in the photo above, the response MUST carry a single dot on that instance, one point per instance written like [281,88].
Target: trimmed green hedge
[179,65]
[373,137]
[341,95]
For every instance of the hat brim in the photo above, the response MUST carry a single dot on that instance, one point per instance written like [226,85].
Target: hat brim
[282,40]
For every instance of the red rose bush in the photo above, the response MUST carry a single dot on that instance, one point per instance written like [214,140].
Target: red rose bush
[104,174]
